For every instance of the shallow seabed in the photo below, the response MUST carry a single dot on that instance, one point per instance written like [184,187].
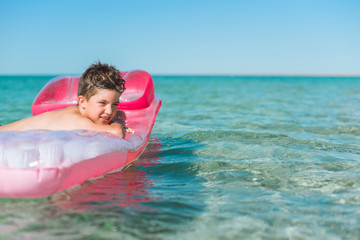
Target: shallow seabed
[229,158]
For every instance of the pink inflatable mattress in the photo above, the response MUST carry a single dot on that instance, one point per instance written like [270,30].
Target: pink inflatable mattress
[38,163]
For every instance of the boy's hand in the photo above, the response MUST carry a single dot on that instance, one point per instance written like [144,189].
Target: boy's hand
[120,119]
[129,130]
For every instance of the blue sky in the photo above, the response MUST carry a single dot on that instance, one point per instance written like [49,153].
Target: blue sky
[181,37]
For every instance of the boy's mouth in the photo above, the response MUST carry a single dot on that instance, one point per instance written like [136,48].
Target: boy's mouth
[105,119]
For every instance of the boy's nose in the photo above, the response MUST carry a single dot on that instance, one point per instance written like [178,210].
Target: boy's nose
[108,110]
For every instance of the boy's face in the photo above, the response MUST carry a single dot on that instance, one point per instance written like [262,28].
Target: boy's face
[101,108]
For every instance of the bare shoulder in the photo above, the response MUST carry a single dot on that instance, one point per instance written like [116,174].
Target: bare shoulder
[71,117]
[113,128]
[82,122]
[69,113]
[73,110]
[62,119]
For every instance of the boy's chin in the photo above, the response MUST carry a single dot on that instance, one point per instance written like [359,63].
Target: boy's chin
[103,122]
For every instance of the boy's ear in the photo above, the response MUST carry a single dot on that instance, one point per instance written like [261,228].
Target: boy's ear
[81,101]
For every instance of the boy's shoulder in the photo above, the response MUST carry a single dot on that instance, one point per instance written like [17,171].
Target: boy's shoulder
[64,112]
[69,117]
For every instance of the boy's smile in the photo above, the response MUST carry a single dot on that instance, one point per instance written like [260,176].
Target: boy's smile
[101,108]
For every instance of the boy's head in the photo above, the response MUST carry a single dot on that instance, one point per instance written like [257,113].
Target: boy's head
[100,76]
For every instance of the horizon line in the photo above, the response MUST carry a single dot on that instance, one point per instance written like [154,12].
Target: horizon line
[205,74]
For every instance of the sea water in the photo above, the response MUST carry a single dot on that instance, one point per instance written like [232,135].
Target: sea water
[229,158]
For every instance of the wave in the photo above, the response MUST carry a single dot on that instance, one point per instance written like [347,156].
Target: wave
[241,159]
[352,130]
[265,139]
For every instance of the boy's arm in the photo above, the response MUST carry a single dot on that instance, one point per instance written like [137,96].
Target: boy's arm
[120,118]
[113,128]
[117,129]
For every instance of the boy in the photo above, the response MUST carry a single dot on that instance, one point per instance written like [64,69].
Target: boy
[100,87]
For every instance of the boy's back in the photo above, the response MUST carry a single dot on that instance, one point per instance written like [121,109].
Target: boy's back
[62,119]
[66,119]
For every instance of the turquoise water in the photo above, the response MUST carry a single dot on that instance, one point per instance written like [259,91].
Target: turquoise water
[229,158]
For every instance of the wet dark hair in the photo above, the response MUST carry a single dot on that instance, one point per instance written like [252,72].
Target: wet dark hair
[100,76]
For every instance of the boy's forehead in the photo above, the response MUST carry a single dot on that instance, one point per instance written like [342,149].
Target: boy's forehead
[106,94]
